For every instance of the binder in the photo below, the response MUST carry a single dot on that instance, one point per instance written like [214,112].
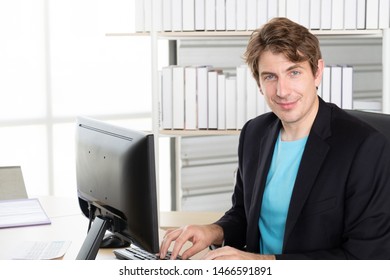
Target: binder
[200,15]
[221,102]
[326,14]
[220,15]
[241,95]
[350,14]
[190,97]
[335,85]
[231,15]
[202,81]
[167,98]
[347,87]
[231,99]
[210,14]
[178,97]
[372,14]
[188,16]
[177,15]
[213,99]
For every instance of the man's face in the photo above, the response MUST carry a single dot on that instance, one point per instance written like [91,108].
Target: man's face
[289,88]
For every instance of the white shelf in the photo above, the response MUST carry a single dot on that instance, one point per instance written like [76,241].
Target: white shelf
[175,35]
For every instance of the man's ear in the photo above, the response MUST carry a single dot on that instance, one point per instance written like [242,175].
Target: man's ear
[318,74]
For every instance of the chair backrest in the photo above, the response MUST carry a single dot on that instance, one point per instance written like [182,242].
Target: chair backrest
[379,121]
[12,183]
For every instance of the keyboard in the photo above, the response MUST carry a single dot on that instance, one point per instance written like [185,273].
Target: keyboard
[136,253]
[41,250]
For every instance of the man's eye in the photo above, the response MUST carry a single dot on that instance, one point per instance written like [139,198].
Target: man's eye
[269,77]
[295,73]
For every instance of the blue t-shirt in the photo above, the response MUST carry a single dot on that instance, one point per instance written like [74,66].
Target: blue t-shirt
[277,194]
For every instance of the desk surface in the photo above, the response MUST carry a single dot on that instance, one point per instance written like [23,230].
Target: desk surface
[67,223]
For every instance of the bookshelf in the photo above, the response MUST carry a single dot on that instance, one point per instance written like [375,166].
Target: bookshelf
[178,135]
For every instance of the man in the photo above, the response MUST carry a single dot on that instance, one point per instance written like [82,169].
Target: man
[313,182]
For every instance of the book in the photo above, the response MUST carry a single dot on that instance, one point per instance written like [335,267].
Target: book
[304,13]
[338,15]
[221,102]
[202,81]
[326,84]
[335,85]
[178,97]
[158,21]
[372,14]
[213,99]
[167,15]
[241,15]
[231,15]
[292,10]
[167,98]
[347,87]
[177,15]
[231,101]
[190,97]
[241,72]
[139,16]
[361,14]
[384,14]
[315,14]
[188,15]
[22,212]
[220,15]
[326,14]
[210,14]
[262,12]
[350,14]
[252,91]
[148,15]
[251,14]
[200,15]
[272,9]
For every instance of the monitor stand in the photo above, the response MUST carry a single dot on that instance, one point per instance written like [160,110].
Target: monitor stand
[113,241]
[95,235]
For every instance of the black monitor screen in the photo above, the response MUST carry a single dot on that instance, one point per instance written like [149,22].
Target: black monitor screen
[116,184]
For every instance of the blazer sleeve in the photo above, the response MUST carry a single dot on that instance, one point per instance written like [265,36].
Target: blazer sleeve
[234,222]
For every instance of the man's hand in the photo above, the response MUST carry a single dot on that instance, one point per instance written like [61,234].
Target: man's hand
[229,253]
[201,236]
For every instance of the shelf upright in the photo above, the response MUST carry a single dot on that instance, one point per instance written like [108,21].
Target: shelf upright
[155,94]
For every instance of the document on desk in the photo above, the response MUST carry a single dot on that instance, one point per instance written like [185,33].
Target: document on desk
[22,212]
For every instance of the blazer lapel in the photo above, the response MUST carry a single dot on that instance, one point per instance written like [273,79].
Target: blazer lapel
[267,144]
[315,153]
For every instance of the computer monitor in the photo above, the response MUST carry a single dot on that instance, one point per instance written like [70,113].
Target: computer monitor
[116,185]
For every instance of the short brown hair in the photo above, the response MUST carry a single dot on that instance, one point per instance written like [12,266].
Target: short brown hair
[281,35]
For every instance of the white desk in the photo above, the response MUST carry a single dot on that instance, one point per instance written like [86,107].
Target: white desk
[67,223]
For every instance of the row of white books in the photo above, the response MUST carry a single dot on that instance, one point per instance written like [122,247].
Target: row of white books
[337,85]
[203,97]
[340,14]
[241,15]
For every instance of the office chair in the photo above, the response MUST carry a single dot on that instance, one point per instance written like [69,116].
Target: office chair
[379,121]
[12,183]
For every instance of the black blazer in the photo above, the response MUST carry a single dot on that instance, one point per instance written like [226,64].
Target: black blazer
[340,205]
